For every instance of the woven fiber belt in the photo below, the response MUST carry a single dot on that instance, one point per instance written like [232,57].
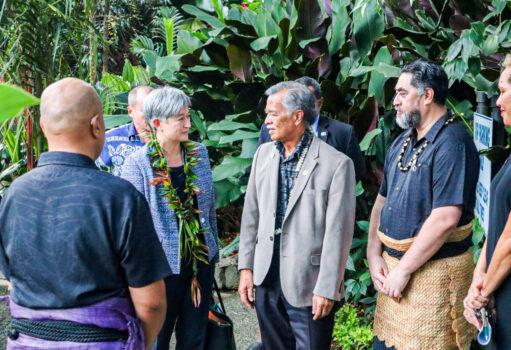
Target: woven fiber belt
[402,245]
[64,331]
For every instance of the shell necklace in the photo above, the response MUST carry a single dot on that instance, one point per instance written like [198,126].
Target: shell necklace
[417,153]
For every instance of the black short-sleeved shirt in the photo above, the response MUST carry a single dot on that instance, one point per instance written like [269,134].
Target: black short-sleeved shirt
[72,235]
[500,207]
[445,174]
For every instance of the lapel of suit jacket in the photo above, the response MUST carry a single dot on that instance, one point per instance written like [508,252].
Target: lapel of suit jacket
[202,197]
[301,179]
[273,175]
[323,128]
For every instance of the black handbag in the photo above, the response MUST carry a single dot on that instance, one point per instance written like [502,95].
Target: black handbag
[219,333]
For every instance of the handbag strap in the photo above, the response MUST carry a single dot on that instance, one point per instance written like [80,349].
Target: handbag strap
[219,296]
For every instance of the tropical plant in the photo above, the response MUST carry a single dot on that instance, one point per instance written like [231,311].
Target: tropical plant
[225,54]
[349,333]
[13,101]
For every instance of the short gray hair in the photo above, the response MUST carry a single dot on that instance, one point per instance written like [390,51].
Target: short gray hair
[311,83]
[164,103]
[134,94]
[298,97]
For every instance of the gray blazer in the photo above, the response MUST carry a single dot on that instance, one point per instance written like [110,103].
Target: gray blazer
[317,228]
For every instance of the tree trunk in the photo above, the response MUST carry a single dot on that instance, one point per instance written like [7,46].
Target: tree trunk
[106,36]
[93,45]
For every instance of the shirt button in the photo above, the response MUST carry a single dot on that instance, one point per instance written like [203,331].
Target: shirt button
[202,220]
[271,238]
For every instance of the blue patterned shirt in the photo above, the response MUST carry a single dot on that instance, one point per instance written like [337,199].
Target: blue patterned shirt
[287,175]
[120,142]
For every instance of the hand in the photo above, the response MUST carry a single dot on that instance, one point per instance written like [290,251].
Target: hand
[379,270]
[395,283]
[246,288]
[321,307]
[474,299]
[471,318]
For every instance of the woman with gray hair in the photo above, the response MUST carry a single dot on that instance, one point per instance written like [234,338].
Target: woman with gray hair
[174,175]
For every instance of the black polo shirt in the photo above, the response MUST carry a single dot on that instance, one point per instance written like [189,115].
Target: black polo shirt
[445,174]
[72,235]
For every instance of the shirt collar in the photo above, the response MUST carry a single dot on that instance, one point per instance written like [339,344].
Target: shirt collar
[432,134]
[307,135]
[66,158]
[132,132]
[315,124]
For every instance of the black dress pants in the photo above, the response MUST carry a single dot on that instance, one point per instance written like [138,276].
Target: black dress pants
[189,322]
[283,326]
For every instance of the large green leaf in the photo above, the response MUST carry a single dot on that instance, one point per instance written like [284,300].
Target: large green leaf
[239,135]
[454,50]
[377,82]
[337,30]
[311,20]
[203,16]
[455,70]
[387,70]
[249,147]
[479,83]
[127,72]
[187,42]
[150,58]
[13,100]
[240,62]
[368,139]
[263,43]
[113,121]
[226,192]
[266,25]
[368,25]
[167,66]
[384,69]
[230,166]
[228,125]
[499,5]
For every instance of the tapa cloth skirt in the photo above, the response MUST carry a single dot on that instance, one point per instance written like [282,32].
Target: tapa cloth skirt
[430,313]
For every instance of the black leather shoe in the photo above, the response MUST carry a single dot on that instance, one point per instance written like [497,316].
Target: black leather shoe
[256,346]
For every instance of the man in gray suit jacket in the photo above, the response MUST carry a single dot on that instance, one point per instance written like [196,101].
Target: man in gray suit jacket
[297,226]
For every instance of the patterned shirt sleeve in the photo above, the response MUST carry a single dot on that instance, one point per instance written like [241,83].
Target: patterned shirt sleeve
[130,171]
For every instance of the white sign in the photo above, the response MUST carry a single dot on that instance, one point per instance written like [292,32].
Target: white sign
[483,131]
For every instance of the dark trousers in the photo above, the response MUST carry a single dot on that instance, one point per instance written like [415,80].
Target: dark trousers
[380,345]
[189,322]
[285,327]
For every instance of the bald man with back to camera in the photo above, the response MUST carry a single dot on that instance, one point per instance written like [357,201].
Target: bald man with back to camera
[78,245]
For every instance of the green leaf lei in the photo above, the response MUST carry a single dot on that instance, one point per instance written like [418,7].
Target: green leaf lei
[190,245]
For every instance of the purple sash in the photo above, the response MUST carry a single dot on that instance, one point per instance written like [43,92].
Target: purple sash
[115,313]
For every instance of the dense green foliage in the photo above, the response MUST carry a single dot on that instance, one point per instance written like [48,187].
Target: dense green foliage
[349,333]
[225,54]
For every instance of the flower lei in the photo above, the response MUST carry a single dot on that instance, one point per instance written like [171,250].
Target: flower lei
[190,246]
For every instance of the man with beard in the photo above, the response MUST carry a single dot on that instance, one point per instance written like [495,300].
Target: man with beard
[420,232]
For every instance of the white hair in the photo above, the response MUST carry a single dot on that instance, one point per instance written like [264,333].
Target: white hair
[164,103]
